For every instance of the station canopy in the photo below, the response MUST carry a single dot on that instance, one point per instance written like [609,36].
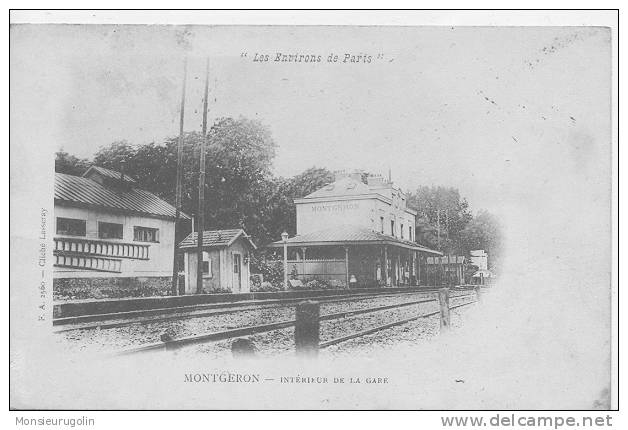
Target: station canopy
[350,236]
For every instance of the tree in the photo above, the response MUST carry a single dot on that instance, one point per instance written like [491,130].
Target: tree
[120,156]
[282,210]
[484,232]
[426,234]
[239,157]
[440,208]
[69,164]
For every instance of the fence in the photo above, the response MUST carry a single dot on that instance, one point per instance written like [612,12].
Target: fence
[322,269]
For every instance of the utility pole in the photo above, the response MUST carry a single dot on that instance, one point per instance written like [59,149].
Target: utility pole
[440,258]
[175,267]
[438,226]
[201,191]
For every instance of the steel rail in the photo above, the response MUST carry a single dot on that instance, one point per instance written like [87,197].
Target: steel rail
[384,327]
[139,312]
[245,331]
[252,307]
[241,307]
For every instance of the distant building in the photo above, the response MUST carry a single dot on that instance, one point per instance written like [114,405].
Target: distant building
[479,258]
[356,227]
[449,269]
[225,261]
[110,232]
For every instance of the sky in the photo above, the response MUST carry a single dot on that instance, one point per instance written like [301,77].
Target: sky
[469,107]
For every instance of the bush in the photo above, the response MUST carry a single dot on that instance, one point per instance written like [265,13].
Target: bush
[110,288]
[266,287]
[316,284]
[271,270]
[256,280]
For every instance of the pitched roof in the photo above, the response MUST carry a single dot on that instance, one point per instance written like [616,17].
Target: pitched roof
[350,235]
[216,238]
[109,173]
[343,187]
[81,191]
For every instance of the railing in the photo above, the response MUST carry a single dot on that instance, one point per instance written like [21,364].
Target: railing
[92,247]
[320,268]
[86,262]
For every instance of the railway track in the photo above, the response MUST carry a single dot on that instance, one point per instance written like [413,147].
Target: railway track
[279,325]
[123,319]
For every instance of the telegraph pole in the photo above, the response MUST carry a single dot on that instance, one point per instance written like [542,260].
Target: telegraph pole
[438,226]
[175,267]
[201,191]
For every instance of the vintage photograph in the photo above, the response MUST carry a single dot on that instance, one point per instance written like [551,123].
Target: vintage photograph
[310,217]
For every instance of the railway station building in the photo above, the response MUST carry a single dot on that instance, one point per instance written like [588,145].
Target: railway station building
[357,231]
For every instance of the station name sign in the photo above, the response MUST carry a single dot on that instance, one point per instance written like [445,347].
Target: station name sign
[337,207]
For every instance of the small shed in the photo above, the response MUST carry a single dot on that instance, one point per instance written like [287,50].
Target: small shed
[452,267]
[225,260]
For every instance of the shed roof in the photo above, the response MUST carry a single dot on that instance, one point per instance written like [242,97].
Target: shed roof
[81,191]
[216,238]
[350,235]
[453,259]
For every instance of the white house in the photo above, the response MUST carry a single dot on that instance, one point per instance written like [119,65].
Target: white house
[357,229]
[108,231]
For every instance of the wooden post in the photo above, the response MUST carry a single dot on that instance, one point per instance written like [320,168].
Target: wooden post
[285,266]
[400,270]
[385,266]
[443,300]
[415,270]
[307,328]
[242,348]
[418,269]
[347,266]
[478,292]
[175,266]
[448,270]
[304,266]
[201,191]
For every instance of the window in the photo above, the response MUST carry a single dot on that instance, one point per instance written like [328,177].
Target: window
[381,224]
[71,227]
[236,263]
[402,231]
[207,264]
[145,234]
[392,227]
[108,230]
[410,233]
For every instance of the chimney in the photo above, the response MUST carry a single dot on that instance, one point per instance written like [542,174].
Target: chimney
[340,174]
[375,181]
[356,175]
